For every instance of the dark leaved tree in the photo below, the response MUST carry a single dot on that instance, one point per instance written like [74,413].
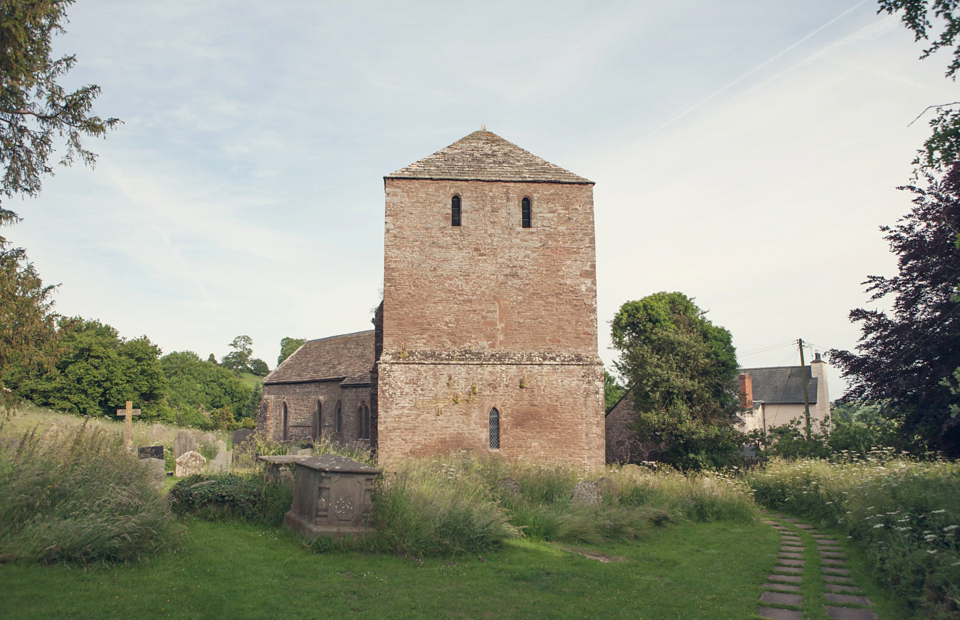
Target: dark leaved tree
[906,358]
[288,346]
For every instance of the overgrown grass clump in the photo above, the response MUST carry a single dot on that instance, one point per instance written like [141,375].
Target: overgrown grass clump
[254,498]
[903,514]
[462,503]
[77,495]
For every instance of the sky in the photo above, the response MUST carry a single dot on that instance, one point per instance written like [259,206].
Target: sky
[744,152]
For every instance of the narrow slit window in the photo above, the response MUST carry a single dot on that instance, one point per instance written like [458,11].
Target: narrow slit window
[455,211]
[285,422]
[525,213]
[494,429]
[339,426]
[364,421]
[319,433]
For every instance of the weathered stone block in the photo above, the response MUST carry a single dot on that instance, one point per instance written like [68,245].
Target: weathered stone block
[190,463]
[332,495]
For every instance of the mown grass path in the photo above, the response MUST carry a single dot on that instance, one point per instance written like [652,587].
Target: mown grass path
[704,571]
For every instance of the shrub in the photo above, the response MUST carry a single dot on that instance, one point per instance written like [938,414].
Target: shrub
[77,495]
[904,515]
[253,497]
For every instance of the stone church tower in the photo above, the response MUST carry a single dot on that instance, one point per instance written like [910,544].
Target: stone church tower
[487,337]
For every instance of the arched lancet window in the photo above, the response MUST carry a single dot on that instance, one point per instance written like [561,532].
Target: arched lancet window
[319,432]
[339,419]
[364,414]
[286,422]
[455,211]
[525,213]
[494,429]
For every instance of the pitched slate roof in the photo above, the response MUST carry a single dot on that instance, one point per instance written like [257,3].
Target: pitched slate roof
[485,156]
[781,385]
[333,358]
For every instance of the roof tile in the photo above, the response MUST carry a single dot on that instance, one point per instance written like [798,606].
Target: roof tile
[336,357]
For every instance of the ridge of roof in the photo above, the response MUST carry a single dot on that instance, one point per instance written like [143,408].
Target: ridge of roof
[485,156]
[333,357]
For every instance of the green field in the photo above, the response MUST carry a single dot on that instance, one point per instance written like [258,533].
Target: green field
[229,570]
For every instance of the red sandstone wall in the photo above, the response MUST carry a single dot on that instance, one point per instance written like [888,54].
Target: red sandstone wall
[301,400]
[556,418]
[489,283]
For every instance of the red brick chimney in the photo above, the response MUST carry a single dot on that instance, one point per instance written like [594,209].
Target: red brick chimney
[746,392]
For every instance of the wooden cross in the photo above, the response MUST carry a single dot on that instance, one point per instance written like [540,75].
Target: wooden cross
[128,414]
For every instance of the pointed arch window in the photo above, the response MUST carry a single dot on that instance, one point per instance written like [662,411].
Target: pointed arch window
[455,211]
[286,423]
[339,426]
[319,421]
[525,213]
[364,415]
[494,429]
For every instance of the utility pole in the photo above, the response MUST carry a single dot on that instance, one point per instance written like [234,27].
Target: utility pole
[806,401]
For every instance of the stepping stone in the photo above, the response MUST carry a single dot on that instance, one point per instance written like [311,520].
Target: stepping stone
[791,549]
[789,519]
[836,579]
[834,570]
[832,562]
[788,562]
[787,578]
[848,613]
[835,588]
[830,547]
[780,598]
[779,614]
[785,586]
[789,555]
[831,554]
[796,570]
[845,598]
[806,527]
[790,540]
[769,522]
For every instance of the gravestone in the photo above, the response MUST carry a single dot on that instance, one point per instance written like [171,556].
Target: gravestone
[608,489]
[332,495]
[157,432]
[127,414]
[587,492]
[239,436]
[220,463]
[155,469]
[150,452]
[208,439]
[190,463]
[183,443]
[509,487]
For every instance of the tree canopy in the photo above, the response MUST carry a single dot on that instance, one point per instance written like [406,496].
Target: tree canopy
[34,109]
[241,359]
[196,386]
[923,17]
[906,358]
[288,346]
[97,371]
[681,374]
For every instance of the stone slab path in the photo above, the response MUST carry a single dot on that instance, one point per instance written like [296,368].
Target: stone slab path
[842,599]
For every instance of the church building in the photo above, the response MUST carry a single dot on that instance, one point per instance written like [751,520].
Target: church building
[486,339]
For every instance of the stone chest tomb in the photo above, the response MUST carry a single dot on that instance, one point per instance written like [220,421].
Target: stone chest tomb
[332,495]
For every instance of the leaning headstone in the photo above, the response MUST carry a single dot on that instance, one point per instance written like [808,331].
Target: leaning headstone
[587,492]
[155,469]
[509,487]
[190,463]
[157,432]
[220,463]
[608,489]
[240,435]
[150,452]
[208,439]
[183,443]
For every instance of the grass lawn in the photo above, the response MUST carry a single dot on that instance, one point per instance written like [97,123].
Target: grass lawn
[227,570]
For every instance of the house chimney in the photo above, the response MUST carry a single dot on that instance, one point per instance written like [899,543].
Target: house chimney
[816,357]
[746,392]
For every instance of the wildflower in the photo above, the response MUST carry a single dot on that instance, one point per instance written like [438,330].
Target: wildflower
[936,512]
[929,537]
[950,528]
[931,551]
[878,525]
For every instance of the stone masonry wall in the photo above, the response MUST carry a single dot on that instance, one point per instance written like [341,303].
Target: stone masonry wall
[301,400]
[549,413]
[489,283]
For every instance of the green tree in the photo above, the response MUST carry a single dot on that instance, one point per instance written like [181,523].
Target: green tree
[97,371]
[27,321]
[34,109]
[612,391]
[238,360]
[195,385]
[288,346]
[942,148]
[259,367]
[681,372]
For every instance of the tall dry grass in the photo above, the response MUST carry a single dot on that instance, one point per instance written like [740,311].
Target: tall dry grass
[75,494]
